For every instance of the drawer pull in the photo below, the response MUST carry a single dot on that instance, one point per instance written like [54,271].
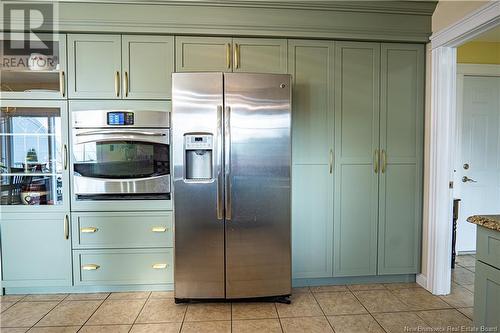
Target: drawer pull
[88,230]
[90,267]
[159,229]
[159,266]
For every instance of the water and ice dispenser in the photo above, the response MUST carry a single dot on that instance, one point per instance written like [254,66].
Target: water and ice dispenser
[198,150]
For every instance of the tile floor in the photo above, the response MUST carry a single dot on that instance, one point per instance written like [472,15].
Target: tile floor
[352,308]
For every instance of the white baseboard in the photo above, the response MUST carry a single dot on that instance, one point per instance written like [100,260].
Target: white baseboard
[422,280]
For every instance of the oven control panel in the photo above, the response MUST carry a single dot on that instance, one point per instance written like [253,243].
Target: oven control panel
[120,118]
[198,141]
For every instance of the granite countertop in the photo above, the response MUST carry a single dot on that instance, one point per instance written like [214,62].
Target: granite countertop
[488,221]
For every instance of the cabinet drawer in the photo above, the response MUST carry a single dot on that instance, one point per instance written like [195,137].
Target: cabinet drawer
[122,230]
[116,267]
[488,246]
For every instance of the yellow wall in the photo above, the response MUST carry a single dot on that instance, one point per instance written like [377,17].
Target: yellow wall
[479,53]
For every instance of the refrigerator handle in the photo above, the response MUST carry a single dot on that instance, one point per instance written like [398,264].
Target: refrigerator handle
[219,180]
[227,161]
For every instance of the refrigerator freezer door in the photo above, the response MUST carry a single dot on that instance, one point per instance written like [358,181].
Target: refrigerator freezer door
[257,139]
[199,224]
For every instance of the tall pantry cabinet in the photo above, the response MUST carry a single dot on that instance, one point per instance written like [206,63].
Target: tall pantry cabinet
[357,158]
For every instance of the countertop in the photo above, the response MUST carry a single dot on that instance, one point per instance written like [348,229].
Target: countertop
[488,221]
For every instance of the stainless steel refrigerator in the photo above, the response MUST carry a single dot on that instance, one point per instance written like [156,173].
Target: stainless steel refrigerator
[231,170]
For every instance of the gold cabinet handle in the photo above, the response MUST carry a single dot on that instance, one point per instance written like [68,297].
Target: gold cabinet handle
[62,83]
[384,161]
[331,160]
[65,157]
[90,267]
[236,56]
[125,83]
[159,266]
[228,55]
[88,230]
[375,160]
[159,229]
[117,84]
[66,227]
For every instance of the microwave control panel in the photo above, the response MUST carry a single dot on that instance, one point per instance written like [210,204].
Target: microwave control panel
[198,141]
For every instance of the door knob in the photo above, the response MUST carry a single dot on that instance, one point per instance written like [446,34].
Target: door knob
[466,179]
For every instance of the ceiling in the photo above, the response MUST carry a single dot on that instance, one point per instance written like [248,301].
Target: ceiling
[492,35]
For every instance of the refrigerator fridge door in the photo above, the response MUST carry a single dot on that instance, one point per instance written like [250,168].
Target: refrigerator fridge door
[257,201]
[199,222]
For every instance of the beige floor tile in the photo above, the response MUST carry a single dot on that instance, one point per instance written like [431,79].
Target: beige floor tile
[420,299]
[59,329]
[355,324]
[131,295]
[86,297]
[380,301]
[469,312]
[6,305]
[44,298]
[303,305]
[11,298]
[366,286]
[472,269]
[300,290]
[466,261]
[459,297]
[469,287]
[14,329]
[116,312]
[399,322]
[443,320]
[462,275]
[325,289]
[162,311]
[25,314]
[156,328]
[208,312]
[306,324]
[105,329]
[253,310]
[402,285]
[339,303]
[162,294]
[206,327]
[256,325]
[70,313]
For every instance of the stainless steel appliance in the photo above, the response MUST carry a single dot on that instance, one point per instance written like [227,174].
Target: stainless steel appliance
[121,154]
[231,169]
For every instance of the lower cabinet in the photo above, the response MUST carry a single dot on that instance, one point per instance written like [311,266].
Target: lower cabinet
[123,266]
[36,250]
[486,296]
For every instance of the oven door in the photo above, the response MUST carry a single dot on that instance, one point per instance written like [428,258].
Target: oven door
[120,163]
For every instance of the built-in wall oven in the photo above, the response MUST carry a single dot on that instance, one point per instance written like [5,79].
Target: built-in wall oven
[121,154]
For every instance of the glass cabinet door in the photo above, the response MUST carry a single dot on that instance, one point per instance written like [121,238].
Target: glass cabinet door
[35,71]
[33,153]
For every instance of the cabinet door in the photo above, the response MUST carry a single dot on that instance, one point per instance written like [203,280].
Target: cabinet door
[148,63]
[357,67]
[486,296]
[197,54]
[401,144]
[94,66]
[311,65]
[36,250]
[259,55]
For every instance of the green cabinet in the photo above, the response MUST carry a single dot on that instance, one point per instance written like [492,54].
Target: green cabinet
[401,147]
[94,66]
[226,54]
[311,66]
[116,67]
[486,295]
[36,250]
[357,73]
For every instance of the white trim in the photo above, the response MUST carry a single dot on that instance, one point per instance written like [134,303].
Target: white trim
[421,280]
[478,69]
[469,27]
[442,136]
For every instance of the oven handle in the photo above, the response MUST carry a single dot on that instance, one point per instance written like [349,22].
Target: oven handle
[122,180]
[97,136]
[122,132]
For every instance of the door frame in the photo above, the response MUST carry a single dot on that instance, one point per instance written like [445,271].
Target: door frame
[440,144]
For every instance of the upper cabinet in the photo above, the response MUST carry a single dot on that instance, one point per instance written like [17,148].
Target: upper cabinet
[36,73]
[226,54]
[116,67]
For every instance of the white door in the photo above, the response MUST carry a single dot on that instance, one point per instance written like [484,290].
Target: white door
[479,155]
